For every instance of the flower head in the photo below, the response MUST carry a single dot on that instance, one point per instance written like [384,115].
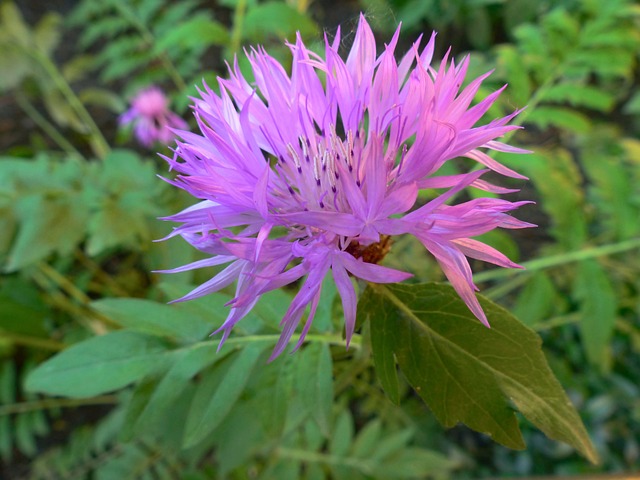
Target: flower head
[298,178]
[152,118]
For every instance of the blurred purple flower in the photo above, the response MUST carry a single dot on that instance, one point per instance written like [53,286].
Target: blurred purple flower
[152,120]
[298,178]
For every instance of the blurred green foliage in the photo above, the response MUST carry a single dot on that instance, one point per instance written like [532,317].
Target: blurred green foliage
[77,220]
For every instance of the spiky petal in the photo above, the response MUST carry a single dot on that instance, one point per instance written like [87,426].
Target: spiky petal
[339,166]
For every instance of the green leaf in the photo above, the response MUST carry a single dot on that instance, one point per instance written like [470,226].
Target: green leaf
[580,96]
[412,462]
[47,225]
[195,32]
[277,19]
[598,309]
[102,98]
[315,382]
[46,34]
[189,363]
[155,318]
[469,373]
[215,397]
[277,389]
[561,117]
[535,301]
[558,179]
[98,365]
[13,25]
[382,344]
[342,434]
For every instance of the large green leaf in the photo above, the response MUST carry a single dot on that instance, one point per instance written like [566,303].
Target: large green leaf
[218,392]
[98,365]
[466,372]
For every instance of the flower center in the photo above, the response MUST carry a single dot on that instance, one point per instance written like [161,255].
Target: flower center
[373,253]
[312,168]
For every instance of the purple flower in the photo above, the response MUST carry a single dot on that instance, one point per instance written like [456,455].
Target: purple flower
[152,120]
[313,172]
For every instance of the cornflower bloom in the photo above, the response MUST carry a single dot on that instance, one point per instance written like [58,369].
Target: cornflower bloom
[297,178]
[152,120]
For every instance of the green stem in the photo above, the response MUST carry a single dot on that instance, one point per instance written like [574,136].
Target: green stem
[76,294]
[105,278]
[560,259]
[314,457]
[45,125]
[356,341]
[557,322]
[238,24]
[64,283]
[29,341]
[97,140]
[49,403]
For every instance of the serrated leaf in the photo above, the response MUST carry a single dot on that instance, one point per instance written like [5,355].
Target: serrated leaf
[469,373]
[98,365]
[210,404]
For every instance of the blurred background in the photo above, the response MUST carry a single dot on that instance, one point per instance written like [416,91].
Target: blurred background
[80,198]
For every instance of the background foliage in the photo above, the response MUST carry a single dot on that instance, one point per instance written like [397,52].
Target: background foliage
[78,213]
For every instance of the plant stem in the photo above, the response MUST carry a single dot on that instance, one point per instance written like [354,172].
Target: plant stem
[356,341]
[29,341]
[97,140]
[75,293]
[557,322]
[94,268]
[49,403]
[45,125]
[314,457]
[560,259]
[238,23]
